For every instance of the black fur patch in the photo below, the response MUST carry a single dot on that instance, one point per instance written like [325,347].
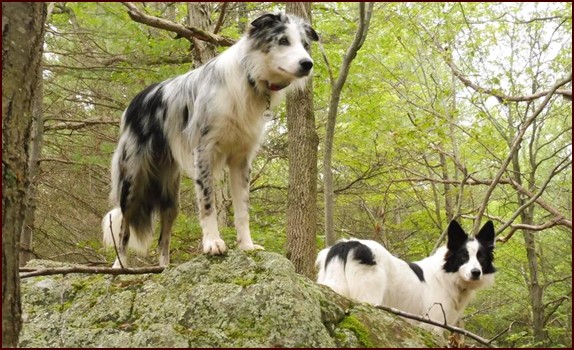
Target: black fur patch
[485,257]
[141,114]
[418,271]
[185,117]
[126,186]
[455,259]
[361,253]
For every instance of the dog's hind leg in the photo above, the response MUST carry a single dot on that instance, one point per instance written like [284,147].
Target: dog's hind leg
[167,217]
[168,214]
[204,161]
[239,173]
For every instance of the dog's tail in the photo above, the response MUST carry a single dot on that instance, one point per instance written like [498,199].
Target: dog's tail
[321,258]
[140,240]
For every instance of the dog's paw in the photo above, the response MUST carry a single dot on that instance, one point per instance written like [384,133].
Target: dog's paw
[214,247]
[117,264]
[250,246]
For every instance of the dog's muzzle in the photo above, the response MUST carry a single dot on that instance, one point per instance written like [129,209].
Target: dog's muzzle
[475,274]
[305,66]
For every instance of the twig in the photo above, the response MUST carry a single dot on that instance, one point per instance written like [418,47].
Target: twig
[92,270]
[502,332]
[114,240]
[434,323]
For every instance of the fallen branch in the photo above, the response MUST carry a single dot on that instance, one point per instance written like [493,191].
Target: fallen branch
[434,323]
[181,31]
[25,273]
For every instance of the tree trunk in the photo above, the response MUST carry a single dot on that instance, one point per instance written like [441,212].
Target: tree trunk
[199,16]
[22,38]
[302,187]
[37,132]
[336,88]
[535,290]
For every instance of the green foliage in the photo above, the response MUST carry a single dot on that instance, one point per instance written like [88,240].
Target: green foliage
[408,134]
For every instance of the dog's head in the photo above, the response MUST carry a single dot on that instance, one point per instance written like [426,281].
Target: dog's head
[280,43]
[471,258]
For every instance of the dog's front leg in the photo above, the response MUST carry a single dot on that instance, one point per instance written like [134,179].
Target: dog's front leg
[212,242]
[239,180]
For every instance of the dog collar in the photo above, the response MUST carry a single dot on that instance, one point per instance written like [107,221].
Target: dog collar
[270,86]
[276,87]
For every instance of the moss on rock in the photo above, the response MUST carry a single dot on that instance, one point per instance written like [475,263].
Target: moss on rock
[252,299]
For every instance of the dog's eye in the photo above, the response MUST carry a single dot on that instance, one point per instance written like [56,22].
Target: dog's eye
[306,45]
[284,41]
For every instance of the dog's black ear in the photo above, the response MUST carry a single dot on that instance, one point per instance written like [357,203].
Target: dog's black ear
[456,236]
[265,20]
[486,235]
[311,33]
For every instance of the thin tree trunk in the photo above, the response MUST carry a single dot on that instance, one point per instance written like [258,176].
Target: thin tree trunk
[22,38]
[302,186]
[336,88]
[535,290]
[37,132]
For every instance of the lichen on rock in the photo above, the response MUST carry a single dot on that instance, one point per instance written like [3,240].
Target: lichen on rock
[241,299]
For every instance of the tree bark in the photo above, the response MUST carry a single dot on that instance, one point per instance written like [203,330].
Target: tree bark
[302,186]
[22,38]
[199,16]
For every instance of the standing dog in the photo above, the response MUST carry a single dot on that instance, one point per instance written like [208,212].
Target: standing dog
[199,122]
[438,287]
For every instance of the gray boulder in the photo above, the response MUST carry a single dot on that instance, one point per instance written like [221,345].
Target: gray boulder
[241,299]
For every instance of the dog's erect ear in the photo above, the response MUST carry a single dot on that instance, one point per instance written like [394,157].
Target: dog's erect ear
[456,236]
[311,33]
[265,20]
[486,235]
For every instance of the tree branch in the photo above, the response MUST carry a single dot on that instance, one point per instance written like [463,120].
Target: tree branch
[500,96]
[514,147]
[91,270]
[180,30]
[79,125]
[434,323]
[221,18]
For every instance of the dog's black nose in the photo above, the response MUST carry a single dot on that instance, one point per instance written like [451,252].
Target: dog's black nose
[306,64]
[475,273]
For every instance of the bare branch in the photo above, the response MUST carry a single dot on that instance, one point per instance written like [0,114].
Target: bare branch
[115,245]
[539,193]
[92,270]
[500,96]
[221,18]
[514,147]
[434,323]
[79,125]
[514,227]
[181,31]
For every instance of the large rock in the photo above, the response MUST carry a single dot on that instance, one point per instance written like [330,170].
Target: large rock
[239,300]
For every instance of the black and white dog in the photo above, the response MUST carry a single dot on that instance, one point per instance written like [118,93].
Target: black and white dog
[198,122]
[438,287]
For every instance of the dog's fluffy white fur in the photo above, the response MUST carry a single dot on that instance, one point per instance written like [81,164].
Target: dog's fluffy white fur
[438,287]
[198,122]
